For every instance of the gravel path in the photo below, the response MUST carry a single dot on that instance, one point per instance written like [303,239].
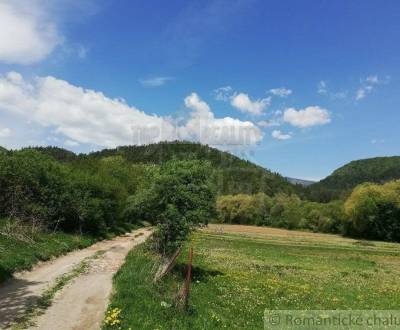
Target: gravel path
[82,303]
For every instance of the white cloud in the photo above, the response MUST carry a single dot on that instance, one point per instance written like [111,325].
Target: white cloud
[223,93]
[369,84]
[243,103]
[5,132]
[310,116]
[89,117]
[281,92]
[324,90]
[71,143]
[339,95]
[372,79]
[81,115]
[361,93]
[276,134]
[155,81]
[204,127]
[27,34]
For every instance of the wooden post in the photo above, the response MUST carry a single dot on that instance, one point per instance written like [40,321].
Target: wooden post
[188,277]
[182,298]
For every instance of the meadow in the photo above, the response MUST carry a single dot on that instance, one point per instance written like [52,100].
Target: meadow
[239,271]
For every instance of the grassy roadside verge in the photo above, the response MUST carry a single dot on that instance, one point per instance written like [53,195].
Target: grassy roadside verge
[235,278]
[17,253]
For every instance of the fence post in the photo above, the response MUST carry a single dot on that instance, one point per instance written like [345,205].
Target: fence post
[188,277]
[183,295]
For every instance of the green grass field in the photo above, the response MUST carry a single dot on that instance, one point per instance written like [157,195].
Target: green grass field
[240,271]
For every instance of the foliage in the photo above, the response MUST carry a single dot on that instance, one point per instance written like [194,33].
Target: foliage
[231,174]
[32,187]
[244,209]
[340,183]
[281,210]
[374,211]
[180,198]
[41,191]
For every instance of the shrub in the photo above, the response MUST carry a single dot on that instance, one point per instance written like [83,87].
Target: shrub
[244,209]
[33,187]
[374,211]
[38,190]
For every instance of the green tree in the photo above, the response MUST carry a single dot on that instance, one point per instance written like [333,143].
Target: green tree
[374,211]
[180,198]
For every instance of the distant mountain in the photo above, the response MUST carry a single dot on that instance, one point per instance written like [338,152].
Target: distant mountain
[345,178]
[304,183]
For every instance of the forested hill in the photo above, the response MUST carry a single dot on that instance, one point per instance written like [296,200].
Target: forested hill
[232,174]
[345,178]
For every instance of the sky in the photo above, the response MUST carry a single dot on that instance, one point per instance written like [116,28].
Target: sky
[299,87]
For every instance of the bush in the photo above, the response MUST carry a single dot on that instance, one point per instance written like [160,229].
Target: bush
[179,199]
[33,187]
[244,209]
[38,190]
[374,211]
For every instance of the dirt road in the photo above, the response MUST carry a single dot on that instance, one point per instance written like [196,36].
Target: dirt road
[81,304]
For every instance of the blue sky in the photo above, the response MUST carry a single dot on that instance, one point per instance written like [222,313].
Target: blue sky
[313,84]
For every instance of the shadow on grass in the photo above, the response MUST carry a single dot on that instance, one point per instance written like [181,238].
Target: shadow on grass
[198,273]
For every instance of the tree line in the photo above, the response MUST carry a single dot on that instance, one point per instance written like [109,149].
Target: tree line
[114,189]
[372,211]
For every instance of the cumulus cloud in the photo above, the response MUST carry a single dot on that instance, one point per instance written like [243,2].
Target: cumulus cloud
[310,116]
[204,127]
[81,115]
[27,34]
[155,81]
[86,116]
[281,92]
[5,132]
[276,134]
[243,103]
